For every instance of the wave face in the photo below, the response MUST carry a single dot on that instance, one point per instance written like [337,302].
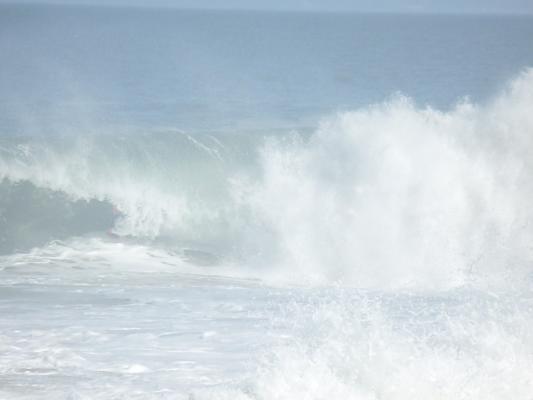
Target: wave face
[391,195]
[32,216]
[156,185]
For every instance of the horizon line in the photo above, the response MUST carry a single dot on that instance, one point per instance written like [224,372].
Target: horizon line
[56,3]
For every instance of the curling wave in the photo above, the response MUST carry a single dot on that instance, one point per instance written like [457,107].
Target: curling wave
[392,195]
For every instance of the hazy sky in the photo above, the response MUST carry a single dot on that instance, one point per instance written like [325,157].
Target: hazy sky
[469,6]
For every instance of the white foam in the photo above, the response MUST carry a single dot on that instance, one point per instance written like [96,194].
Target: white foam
[394,195]
[448,348]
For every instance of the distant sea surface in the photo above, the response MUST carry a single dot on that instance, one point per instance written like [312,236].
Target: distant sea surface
[222,71]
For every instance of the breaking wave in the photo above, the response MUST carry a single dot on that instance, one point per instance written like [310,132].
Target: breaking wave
[391,195]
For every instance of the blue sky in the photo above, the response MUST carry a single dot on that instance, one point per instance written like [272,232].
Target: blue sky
[468,6]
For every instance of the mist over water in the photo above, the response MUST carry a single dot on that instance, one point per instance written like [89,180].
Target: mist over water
[219,205]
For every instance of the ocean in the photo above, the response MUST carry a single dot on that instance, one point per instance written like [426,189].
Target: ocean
[265,205]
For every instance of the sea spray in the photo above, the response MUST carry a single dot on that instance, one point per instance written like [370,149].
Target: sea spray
[388,196]
[399,196]
[368,345]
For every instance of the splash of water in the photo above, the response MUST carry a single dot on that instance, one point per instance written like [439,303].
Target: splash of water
[392,195]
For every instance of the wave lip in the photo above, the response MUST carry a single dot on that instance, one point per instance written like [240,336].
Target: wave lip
[165,183]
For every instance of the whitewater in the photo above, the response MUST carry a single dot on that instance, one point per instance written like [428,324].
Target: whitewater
[379,251]
[367,257]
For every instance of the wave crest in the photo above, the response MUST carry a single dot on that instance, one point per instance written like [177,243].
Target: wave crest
[394,195]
